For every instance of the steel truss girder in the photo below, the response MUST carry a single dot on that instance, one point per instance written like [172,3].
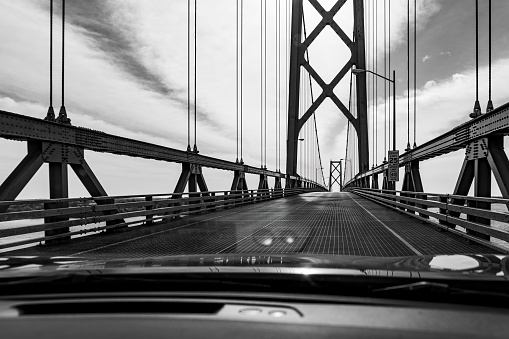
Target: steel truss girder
[24,128]
[476,169]
[58,157]
[297,60]
[489,125]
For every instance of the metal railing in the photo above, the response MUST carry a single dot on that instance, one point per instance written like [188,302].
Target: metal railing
[80,216]
[474,214]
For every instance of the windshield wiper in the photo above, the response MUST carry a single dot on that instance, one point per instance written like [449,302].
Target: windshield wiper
[433,288]
[420,286]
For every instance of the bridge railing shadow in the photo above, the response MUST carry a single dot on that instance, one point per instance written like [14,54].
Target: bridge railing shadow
[478,219]
[26,221]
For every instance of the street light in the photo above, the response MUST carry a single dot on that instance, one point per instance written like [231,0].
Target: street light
[351,168]
[359,71]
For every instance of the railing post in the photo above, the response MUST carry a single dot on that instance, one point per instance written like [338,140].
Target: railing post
[149,218]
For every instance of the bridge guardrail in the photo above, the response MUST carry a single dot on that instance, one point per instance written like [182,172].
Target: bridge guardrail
[90,211]
[449,214]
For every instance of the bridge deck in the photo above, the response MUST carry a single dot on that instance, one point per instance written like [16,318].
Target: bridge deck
[318,223]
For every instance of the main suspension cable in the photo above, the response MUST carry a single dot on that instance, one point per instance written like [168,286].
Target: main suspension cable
[313,101]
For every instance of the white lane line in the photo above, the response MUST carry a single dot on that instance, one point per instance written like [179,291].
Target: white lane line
[389,229]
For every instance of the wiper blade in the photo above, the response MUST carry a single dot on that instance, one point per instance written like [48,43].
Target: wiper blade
[433,288]
[418,287]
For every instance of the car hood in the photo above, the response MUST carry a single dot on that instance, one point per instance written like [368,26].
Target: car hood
[459,266]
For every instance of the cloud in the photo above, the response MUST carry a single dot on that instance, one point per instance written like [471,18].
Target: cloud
[429,84]
[426,58]
[442,106]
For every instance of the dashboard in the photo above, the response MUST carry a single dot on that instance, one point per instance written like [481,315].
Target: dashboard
[149,315]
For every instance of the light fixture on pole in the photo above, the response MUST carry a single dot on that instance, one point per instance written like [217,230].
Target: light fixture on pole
[393,81]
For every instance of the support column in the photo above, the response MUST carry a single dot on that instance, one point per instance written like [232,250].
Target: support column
[482,188]
[58,189]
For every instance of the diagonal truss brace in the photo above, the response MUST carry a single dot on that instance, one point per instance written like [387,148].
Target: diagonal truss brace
[298,61]
[327,89]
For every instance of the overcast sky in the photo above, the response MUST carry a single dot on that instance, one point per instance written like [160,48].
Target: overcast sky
[126,74]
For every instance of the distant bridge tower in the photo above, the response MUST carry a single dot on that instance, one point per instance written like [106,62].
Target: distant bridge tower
[297,60]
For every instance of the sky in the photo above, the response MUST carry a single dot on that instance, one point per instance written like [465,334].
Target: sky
[126,74]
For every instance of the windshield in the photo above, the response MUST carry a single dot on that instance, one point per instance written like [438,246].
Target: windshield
[315,133]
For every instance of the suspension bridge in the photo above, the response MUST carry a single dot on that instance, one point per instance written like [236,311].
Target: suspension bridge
[291,209]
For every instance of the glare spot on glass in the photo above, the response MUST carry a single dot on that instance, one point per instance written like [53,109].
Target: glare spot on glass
[267,241]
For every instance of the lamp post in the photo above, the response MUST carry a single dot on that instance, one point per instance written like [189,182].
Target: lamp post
[351,169]
[359,71]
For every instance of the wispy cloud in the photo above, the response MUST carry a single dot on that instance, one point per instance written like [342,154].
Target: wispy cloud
[426,58]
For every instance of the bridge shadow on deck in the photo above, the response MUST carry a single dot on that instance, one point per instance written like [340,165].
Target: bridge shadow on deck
[316,223]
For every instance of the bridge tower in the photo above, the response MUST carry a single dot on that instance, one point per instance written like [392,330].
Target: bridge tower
[298,60]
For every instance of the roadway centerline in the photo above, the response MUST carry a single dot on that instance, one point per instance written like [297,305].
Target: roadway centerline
[388,228]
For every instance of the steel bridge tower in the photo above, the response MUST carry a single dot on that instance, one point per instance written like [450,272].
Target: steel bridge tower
[298,60]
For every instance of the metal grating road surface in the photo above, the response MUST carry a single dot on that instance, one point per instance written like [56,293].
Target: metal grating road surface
[317,223]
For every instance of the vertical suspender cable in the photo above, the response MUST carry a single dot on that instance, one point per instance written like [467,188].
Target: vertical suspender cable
[415,73]
[237,74]
[276,79]
[189,75]
[62,115]
[477,106]
[408,74]
[195,148]
[489,108]
[373,77]
[287,64]
[385,82]
[50,116]
[241,77]
[261,84]
[265,81]
[389,62]
[63,50]
[279,87]
[376,83]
